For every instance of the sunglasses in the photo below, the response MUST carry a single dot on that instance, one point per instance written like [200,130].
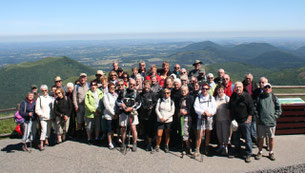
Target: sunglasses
[226,78]
[44,90]
[205,89]
[57,81]
[58,93]
[112,75]
[166,92]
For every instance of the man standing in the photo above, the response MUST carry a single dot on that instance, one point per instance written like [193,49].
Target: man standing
[142,69]
[176,70]
[241,109]
[79,99]
[268,109]
[260,89]
[219,79]
[195,72]
[229,86]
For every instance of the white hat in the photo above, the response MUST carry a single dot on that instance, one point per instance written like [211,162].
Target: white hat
[267,84]
[100,72]
[83,75]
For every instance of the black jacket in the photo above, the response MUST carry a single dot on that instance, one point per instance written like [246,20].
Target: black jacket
[254,87]
[63,106]
[189,106]
[148,100]
[241,106]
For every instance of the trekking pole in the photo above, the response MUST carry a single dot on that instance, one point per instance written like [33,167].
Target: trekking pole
[182,133]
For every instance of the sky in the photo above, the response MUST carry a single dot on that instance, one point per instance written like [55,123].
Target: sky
[79,17]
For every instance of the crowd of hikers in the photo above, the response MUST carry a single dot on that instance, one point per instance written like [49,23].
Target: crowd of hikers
[187,107]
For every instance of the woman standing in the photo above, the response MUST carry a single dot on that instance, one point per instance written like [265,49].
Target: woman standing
[109,112]
[27,109]
[205,108]
[222,119]
[62,111]
[43,110]
[92,113]
[165,110]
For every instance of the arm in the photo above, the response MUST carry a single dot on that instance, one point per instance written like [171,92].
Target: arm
[197,108]
[278,109]
[22,110]
[250,108]
[160,116]
[107,104]
[172,112]
[70,104]
[75,97]
[38,109]
[56,109]
[212,109]
[137,105]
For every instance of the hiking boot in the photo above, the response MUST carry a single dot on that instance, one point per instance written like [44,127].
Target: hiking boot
[90,142]
[188,150]
[157,148]
[258,156]
[248,159]
[123,147]
[271,156]
[166,149]
[134,147]
[196,152]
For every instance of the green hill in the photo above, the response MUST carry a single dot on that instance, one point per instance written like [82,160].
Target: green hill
[17,79]
[251,50]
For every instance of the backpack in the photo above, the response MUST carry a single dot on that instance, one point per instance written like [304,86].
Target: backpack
[18,118]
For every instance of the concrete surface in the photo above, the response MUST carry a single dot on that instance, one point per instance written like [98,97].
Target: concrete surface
[72,156]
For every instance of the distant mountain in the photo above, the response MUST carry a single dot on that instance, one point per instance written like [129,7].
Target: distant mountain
[278,60]
[251,50]
[17,79]
[301,51]
[200,46]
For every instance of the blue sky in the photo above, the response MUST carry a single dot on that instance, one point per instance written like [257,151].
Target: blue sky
[28,17]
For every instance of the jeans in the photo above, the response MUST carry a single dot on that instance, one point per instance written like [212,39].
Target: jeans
[243,128]
[253,129]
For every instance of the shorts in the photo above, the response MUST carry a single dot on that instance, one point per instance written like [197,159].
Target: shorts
[187,124]
[80,114]
[109,125]
[124,117]
[164,126]
[264,131]
[93,122]
[205,124]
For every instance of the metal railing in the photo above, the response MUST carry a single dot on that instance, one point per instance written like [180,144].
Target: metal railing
[289,87]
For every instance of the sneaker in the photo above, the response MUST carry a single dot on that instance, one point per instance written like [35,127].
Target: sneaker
[271,156]
[111,147]
[123,147]
[24,147]
[248,159]
[166,149]
[157,148]
[196,152]
[134,147]
[258,156]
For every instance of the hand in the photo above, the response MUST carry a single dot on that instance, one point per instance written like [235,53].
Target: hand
[30,114]
[248,120]
[183,112]
[162,120]
[76,108]
[207,114]
[123,105]
[66,118]
[129,109]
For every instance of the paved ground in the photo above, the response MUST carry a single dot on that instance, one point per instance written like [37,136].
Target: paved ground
[72,156]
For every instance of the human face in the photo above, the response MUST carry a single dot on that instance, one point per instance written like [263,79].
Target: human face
[44,92]
[210,79]
[226,79]
[154,71]
[239,88]
[120,85]
[248,79]
[142,66]
[104,84]
[125,78]
[220,92]
[113,76]
[262,83]
[165,67]
[196,86]
[53,90]
[183,72]
[132,84]
[30,97]
[135,72]
[177,85]
[58,83]
[34,90]
[184,92]
[154,80]
[184,82]
[221,73]
[193,80]
[59,94]
[111,89]
[197,66]
[169,83]
[167,94]
[205,90]
[115,66]
[83,79]
[147,87]
[267,89]
[177,67]
[94,87]
[70,89]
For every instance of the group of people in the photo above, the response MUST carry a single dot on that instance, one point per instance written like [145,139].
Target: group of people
[185,106]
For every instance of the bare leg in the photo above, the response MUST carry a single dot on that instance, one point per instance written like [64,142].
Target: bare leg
[123,133]
[134,133]
[159,137]
[271,144]
[198,140]
[167,136]
[260,144]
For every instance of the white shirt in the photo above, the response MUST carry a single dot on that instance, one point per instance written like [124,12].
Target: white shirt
[203,104]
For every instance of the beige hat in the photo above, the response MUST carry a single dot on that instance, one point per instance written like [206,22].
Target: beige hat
[197,62]
[83,75]
[268,84]
[100,72]
[57,78]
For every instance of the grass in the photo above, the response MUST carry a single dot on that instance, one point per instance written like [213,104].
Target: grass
[8,125]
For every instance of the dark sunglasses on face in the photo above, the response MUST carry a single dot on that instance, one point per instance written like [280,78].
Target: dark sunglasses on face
[166,92]
[205,88]
[57,81]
